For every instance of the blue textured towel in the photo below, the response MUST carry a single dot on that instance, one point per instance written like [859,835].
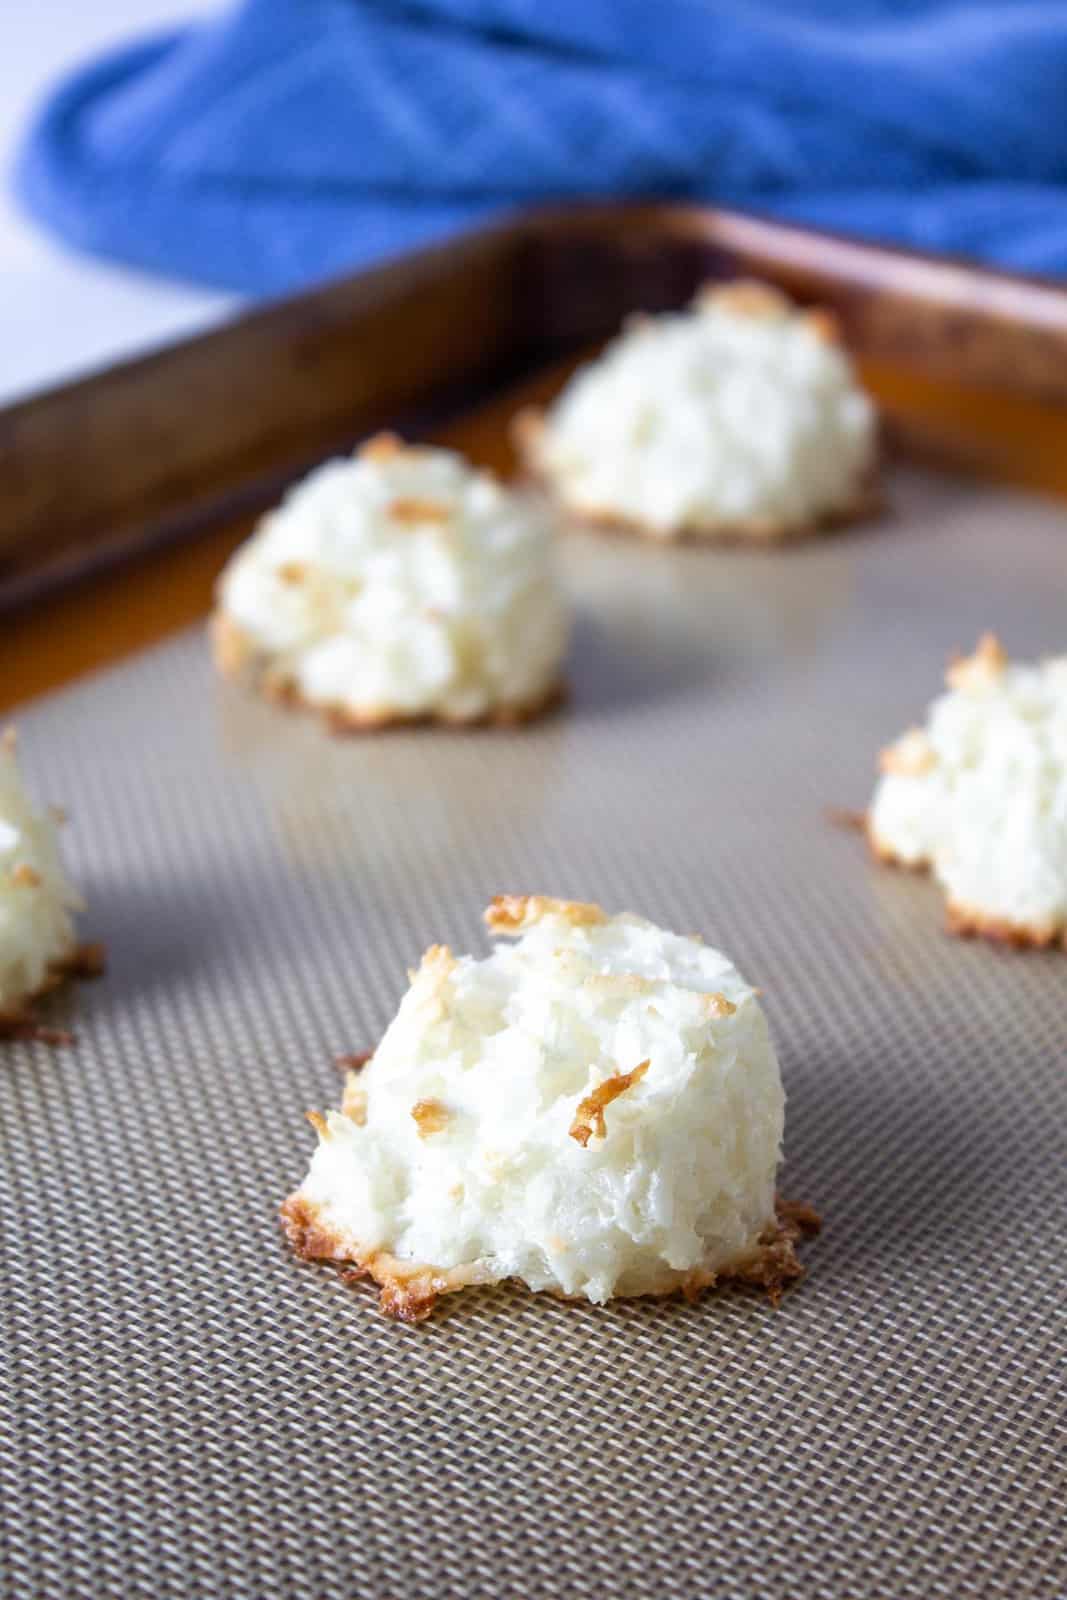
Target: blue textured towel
[289,139]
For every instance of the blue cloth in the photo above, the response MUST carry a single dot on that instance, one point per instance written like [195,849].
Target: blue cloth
[287,140]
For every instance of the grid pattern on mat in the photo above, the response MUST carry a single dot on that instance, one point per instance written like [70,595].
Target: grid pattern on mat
[189,1411]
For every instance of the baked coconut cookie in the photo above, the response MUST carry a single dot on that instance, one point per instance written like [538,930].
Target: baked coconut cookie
[594,1110]
[979,795]
[398,585]
[38,942]
[738,420]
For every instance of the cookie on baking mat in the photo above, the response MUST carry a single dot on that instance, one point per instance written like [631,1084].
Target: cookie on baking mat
[979,795]
[739,419]
[38,942]
[398,585]
[595,1110]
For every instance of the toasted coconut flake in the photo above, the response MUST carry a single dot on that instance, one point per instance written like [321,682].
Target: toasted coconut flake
[354,1104]
[414,511]
[292,572]
[981,669]
[745,297]
[514,913]
[910,756]
[433,972]
[589,1117]
[430,1116]
[25,876]
[436,963]
[382,447]
[438,958]
[719,1006]
[319,1123]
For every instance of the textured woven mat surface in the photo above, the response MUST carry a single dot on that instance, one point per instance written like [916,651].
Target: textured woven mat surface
[188,1411]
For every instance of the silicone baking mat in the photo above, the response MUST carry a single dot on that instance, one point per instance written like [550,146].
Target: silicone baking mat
[189,1411]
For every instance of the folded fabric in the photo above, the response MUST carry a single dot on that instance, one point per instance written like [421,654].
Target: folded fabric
[287,140]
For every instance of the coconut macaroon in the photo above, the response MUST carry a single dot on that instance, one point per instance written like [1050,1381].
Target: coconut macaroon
[980,796]
[396,585]
[739,419]
[595,1110]
[38,944]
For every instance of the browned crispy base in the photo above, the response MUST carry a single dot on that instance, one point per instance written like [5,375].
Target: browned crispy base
[867,503]
[409,1290]
[969,922]
[84,961]
[236,657]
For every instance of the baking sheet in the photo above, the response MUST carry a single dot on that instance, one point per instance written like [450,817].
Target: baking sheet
[192,1412]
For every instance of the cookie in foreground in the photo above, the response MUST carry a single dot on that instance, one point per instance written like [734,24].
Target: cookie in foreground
[979,795]
[738,420]
[594,1110]
[38,942]
[398,585]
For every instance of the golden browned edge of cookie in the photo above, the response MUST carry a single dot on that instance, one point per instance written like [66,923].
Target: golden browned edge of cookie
[513,913]
[237,658]
[86,960]
[969,922]
[982,667]
[868,503]
[408,1291]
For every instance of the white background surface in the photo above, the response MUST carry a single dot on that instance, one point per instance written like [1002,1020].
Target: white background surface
[61,314]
